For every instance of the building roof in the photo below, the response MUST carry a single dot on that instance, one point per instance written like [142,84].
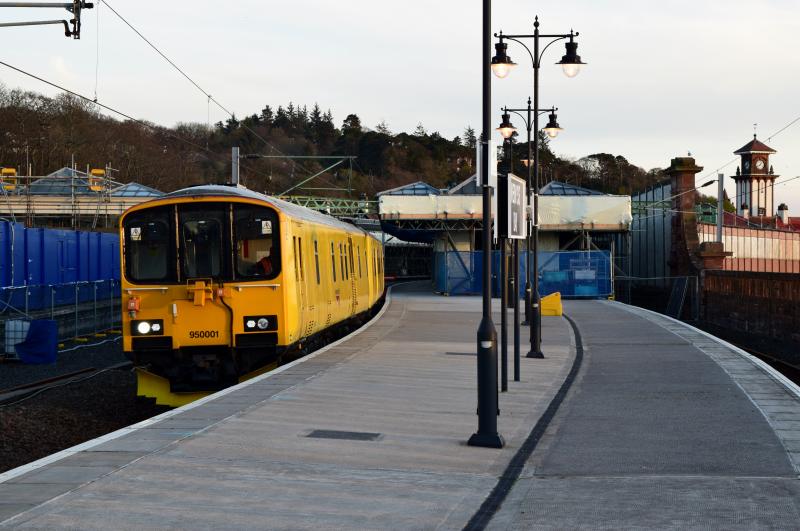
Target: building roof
[417,188]
[466,187]
[135,190]
[559,188]
[59,185]
[754,146]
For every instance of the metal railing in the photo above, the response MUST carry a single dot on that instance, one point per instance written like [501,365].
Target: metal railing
[81,309]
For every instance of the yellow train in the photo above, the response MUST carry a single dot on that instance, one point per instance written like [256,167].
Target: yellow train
[220,283]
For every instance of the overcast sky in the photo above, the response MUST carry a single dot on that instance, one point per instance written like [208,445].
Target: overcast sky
[663,77]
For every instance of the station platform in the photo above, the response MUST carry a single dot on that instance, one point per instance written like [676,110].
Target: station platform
[636,420]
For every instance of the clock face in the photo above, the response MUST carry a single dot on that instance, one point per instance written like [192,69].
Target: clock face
[760,164]
[746,165]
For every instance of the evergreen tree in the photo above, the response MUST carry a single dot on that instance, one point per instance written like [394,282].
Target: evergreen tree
[420,131]
[383,128]
[470,140]
[267,116]
[351,124]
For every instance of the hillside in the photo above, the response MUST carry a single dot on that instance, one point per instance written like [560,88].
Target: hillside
[48,132]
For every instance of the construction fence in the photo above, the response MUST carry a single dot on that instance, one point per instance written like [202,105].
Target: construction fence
[80,309]
[574,274]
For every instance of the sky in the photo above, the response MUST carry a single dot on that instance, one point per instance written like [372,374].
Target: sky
[663,79]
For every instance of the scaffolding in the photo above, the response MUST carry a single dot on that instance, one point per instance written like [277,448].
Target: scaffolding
[69,198]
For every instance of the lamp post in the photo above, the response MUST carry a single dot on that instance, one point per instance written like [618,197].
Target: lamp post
[486,435]
[502,65]
[552,129]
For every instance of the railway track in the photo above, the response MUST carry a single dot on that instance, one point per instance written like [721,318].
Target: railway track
[22,392]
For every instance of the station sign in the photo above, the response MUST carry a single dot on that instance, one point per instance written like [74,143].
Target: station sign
[512,201]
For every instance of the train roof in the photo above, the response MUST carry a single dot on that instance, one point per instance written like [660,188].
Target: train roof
[295,211]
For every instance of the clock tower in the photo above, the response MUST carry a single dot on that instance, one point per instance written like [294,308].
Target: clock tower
[755,180]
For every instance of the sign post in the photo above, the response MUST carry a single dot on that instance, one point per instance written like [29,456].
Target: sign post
[511,206]
[512,224]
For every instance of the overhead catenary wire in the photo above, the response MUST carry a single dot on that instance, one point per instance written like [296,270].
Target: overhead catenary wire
[97,53]
[147,125]
[201,89]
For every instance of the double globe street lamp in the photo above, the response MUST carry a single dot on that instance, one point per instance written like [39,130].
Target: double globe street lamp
[502,65]
[507,130]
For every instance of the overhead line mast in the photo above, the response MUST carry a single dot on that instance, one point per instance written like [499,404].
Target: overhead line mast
[75,7]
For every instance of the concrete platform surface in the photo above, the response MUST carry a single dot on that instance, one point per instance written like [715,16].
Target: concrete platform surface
[662,427]
[369,434]
[665,427]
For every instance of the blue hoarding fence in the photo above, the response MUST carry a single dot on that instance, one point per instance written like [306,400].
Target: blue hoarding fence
[41,257]
[575,274]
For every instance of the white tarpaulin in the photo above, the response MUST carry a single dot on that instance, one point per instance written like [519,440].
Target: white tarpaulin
[598,212]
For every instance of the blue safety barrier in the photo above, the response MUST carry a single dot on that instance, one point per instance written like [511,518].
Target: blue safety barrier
[41,344]
[575,274]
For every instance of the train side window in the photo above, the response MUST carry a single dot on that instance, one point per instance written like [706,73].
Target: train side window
[257,252]
[316,259]
[300,253]
[350,256]
[296,268]
[149,245]
[341,260]
[346,265]
[333,262]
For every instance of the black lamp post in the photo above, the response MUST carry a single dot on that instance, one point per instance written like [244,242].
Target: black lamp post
[552,129]
[486,435]
[502,66]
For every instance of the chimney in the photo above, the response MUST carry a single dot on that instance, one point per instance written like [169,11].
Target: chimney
[783,213]
[745,211]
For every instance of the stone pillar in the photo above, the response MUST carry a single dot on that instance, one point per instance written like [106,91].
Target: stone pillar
[685,241]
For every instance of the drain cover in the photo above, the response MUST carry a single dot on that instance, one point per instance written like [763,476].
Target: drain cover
[344,435]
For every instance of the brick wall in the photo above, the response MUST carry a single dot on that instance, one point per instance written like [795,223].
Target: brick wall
[753,303]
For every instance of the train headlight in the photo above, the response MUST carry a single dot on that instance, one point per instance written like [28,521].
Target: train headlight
[260,323]
[151,327]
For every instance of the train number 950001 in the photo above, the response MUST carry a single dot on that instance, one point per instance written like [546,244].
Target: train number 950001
[203,334]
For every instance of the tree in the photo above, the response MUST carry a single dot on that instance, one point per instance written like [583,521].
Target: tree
[351,124]
[420,131]
[470,140]
[267,116]
[383,128]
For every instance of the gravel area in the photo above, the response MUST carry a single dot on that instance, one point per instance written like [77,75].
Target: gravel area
[100,354]
[65,416]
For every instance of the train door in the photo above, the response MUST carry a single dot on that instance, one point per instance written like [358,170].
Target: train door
[353,282]
[301,291]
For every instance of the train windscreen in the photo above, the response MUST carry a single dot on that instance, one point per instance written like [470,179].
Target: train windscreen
[257,245]
[202,240]
[149,245]
[220,241]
